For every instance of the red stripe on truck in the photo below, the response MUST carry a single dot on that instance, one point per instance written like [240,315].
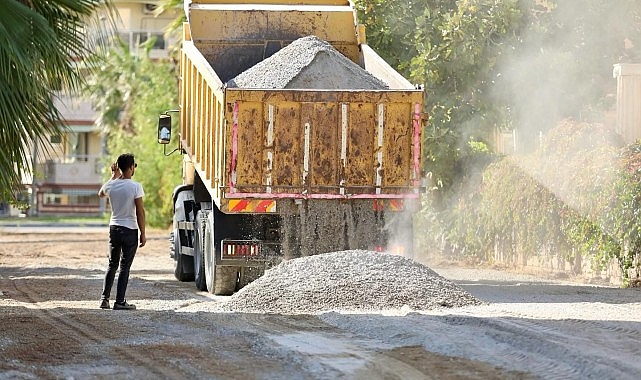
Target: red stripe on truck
[240,206]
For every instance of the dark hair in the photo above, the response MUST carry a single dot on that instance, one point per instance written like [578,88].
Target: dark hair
[125,161]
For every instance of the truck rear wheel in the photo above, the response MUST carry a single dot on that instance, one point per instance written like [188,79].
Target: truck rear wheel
[220,280]
[226,279]
[209,250]
[184,265]
[183,208]
[199,262]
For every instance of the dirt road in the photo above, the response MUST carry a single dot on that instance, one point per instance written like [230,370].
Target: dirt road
[51,326]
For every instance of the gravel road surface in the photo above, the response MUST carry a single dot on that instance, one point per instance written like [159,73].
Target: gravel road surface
[526,327]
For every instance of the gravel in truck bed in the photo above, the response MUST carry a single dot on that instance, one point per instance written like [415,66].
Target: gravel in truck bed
[352,281]
[307,63]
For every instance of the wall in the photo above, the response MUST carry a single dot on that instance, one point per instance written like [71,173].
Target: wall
[628,78]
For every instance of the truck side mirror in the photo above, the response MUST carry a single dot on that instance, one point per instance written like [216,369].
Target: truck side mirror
[164,129]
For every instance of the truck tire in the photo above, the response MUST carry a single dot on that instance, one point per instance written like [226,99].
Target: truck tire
[183,210]
[226,280]
[209,249]
[221,280]
[184,264]
[199,262]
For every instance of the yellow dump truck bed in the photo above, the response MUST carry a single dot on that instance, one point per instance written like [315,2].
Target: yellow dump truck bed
[262,145]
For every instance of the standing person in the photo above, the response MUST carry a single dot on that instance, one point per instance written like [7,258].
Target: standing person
[127,217]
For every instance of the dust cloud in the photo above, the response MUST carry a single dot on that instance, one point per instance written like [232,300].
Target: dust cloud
[555,82]
[561,67]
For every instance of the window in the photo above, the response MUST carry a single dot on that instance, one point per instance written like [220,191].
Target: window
[77,143]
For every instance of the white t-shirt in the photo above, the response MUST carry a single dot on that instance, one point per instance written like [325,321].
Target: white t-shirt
[121,193]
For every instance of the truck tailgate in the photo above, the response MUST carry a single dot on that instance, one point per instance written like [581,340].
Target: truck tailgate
[322,143]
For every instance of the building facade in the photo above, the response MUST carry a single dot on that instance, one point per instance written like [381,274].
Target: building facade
[70,168]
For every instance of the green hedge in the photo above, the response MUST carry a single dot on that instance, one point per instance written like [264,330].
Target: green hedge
[579,194]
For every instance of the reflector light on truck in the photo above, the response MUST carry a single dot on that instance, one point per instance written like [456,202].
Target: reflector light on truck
[235,249]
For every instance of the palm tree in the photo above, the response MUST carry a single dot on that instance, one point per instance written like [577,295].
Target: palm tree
[41,44]
[167,5]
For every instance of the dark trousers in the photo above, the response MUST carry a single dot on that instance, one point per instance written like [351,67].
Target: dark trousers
[123,243]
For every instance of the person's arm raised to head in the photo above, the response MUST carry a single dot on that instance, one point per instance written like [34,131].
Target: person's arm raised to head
[115,174]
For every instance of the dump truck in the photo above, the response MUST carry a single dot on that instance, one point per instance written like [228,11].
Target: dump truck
[275,172]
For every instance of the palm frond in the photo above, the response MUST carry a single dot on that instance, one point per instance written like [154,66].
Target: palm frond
[40,43]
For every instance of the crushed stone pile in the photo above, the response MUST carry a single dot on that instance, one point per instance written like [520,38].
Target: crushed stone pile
[307,63]
[353,281]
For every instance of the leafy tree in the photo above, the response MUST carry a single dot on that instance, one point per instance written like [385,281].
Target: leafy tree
[451,47]
[39,42]
[390,29]
[576,198]
[129,92]
[167,5]
[520,65]
[510,65]
[457,57]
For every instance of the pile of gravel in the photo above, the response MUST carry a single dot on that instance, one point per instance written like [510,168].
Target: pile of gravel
[307,63]
[353,281]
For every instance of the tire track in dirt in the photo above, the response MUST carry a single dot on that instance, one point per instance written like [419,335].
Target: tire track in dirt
[332,352]
[550,348]
[537,346]
[558,348]
[515,345]
[577,348]
[86,334]
[584,341]
[64,278]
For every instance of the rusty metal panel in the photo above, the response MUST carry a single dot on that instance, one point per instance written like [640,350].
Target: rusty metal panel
[320,96]
[321,121]
[322,142]
[286,147]
[246,148]
[398,144]
[271,22]
[361,166]
[361,134]
[280,2]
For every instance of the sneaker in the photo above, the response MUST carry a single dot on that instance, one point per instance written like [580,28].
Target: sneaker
[124,306]
[104,304]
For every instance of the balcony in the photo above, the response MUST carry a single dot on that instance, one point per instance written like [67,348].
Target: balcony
[73,170]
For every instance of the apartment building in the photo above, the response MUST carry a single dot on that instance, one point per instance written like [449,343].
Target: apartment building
[67,176]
